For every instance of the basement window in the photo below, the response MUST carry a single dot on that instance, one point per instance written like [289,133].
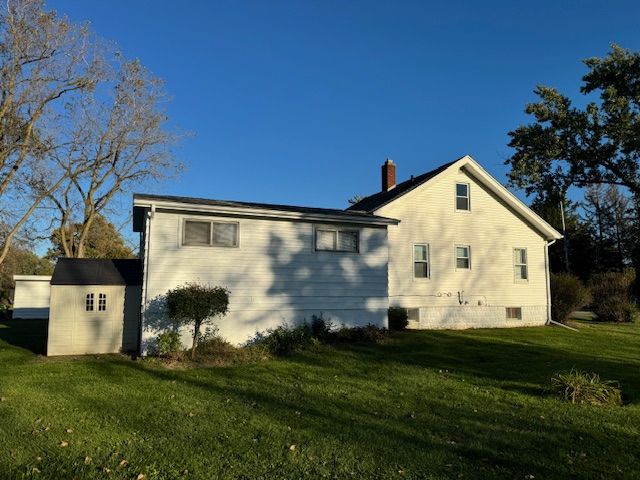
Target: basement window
[514,313]
[210,234]
[88,303]
[337,240]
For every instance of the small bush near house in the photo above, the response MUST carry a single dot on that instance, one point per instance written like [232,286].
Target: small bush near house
[398,318]
[611,293]
[366,334]
[568,294]
[322,329]
[284,339]
[586,388]
[169,344]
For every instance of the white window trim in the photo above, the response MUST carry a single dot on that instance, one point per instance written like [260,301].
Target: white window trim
[456,196]
[104,298]
[455,256]
[337,232]
[92,296]
[211,221]
[506,313]
[513,259]
[428,262]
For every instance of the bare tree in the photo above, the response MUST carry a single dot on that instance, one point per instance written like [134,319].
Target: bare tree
[120,139]
[44,60]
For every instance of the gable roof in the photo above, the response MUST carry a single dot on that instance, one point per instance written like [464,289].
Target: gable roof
[376,201]
[97,271]
[275,211]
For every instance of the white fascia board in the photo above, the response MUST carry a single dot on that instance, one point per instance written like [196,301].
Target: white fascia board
[262,213]
[469,164]
[33,278]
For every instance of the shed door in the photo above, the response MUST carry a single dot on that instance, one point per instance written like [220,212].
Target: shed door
[98,319]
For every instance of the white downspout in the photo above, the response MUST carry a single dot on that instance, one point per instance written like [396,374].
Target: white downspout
[548,278]
[145,273]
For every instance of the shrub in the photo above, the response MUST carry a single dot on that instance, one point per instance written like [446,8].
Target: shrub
[196,304]
[367,334]
[611,294]
[568,294]
[398,318]
[169,344]
[583,387]
[283,340]
[322,329]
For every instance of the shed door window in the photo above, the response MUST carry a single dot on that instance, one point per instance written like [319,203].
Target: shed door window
[520,268]
[88,303]
[102,302]
[462,196]
[463,256]
[421,261]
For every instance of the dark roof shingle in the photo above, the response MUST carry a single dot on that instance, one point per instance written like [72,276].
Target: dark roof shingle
[97,271]
[373,202]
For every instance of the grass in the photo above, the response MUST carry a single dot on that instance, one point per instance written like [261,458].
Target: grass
[430,404]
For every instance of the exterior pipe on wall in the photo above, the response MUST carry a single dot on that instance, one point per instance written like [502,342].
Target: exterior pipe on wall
[548,279]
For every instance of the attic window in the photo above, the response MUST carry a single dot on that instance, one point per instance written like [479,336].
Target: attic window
[462,197]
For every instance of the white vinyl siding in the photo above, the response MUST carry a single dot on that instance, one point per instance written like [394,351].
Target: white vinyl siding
[208,233]
[278,276]
[31,296]
[421,260]
[463,198]
[337,240]
[520,267]
[463,257]
[492,229]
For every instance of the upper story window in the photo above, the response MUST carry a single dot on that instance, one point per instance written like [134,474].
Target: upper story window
[421,260]
[88,302]
[520,265]
[463,257]
[102,302]
[462,197]
[337,240]
[209,233]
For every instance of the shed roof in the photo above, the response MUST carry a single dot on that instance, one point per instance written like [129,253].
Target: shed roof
[97,271]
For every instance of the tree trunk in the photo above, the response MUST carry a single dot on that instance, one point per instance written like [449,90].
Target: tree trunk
[196,336]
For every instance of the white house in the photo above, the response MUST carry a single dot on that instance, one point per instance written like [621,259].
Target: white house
[466,252]
[282,264]
[452,246]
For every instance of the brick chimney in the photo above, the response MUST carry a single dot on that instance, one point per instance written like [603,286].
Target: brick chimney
[388,175]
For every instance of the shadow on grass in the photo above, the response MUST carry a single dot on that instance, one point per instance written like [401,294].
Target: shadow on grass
[30,334]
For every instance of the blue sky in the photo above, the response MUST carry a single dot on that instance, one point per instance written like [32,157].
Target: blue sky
[300,102]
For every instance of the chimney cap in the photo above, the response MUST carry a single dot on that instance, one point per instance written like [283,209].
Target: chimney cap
[389,162]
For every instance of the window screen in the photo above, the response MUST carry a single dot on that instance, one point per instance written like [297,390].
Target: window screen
[421,261]
[225,234]
[197,233]
[337,240]
[520,264]
[462,196]
[463,256]
[514,313]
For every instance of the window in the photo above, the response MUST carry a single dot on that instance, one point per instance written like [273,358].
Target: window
[337,240]
[102,302]
[514,313]
[462,196]
[421,261]
[207,233]
[463,256]
[521,271]
[88,302]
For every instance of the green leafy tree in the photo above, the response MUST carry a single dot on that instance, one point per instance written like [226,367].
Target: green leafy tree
[196,304]
[569,146]
[103,241]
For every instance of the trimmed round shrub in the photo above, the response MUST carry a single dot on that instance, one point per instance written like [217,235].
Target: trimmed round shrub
[611,293]
[568,294]
[398,318]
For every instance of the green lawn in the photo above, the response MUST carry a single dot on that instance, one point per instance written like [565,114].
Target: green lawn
[470,404]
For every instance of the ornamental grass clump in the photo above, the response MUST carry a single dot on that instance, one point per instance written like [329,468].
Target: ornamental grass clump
[580,387]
